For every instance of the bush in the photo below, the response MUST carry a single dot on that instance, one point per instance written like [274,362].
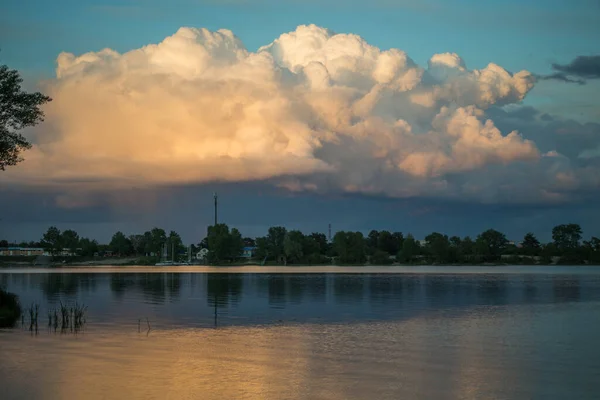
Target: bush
[10,309]
[381,258]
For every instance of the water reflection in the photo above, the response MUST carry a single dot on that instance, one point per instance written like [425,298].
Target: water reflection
[302,297]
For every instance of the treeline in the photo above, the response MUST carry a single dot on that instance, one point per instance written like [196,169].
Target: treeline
[281,246]
[149,243]
[384,248]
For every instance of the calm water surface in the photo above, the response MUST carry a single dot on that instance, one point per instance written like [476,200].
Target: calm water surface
[378,333]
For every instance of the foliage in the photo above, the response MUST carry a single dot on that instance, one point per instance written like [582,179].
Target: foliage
[566,237]
[437,247]
[409,251]
[10,309]
[350,247]
[223,244]
[52,241]
[490,245]
[120,244]
[18,110]
[381,257]
[292,246]
[531,246]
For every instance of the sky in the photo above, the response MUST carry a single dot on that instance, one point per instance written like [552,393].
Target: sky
[412,116]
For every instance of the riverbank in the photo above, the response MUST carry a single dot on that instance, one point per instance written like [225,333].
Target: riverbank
[327,269]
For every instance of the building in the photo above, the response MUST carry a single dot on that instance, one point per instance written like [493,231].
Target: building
[248,251]
[22,251]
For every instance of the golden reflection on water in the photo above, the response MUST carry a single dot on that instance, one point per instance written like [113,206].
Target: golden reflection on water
[476,355]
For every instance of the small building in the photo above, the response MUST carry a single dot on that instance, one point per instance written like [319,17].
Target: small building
[22,251]
[248,251]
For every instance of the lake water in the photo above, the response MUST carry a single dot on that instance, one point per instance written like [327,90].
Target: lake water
[294,333]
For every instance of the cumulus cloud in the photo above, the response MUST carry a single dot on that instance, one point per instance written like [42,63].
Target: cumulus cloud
[313,110]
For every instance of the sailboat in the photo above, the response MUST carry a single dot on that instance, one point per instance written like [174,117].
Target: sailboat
[166,262]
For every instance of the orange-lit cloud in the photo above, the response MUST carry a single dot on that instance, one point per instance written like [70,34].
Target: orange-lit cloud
[200,107]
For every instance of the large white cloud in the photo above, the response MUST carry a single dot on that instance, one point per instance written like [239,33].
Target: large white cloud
[313,110]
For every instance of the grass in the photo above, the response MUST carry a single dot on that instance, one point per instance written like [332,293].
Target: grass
[10,309]
[71,318]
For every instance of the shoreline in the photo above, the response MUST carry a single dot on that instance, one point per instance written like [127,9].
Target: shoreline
[392,269]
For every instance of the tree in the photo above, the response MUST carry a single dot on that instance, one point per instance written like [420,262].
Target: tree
[70,240]
[120,244]
[52,241]
[138,244]
[351,247]
[386,242]
[531,246]
[88,247]
[410,249]
[3,243]
[438,247]
[321,241]
[372,240]
[223,244]
[398,241]
[381,257]
[249,242]
[292,246]
[566,237]
[275,238]
[174,244]
[491,244]
[18,110]
[157,239]
[236,246]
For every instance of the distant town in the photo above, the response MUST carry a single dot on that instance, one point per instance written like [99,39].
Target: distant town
[225,246]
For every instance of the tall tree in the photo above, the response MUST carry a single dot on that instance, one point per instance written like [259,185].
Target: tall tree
[52,241]
[351,247]
[491,244]
[410,249]
[70,240]
[236,247]
[158,238]
[223,244]
[120,244]
[18,110]
[275,238]
[88,247]
[531,246]
[438,247]
[292,246]
[566,237]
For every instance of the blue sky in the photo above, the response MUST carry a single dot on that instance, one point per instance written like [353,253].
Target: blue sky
[514,34]
[517,35]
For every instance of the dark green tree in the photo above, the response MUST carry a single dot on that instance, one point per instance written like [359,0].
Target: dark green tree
[223,244]
[18,110]
[52,241]
[350,247]
[174,243]
[566,237]
[237,243]
[292,246]
[531,246]
[88,247]
[386,242]
[275,238]
[437,247]
[70,240]
[490,245]
[410,250]
[381,257]
[120,244]
[157,240]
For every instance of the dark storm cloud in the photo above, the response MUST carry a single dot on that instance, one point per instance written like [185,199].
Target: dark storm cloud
[578,71]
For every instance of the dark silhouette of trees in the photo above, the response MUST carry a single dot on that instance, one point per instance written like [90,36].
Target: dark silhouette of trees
[18,110]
